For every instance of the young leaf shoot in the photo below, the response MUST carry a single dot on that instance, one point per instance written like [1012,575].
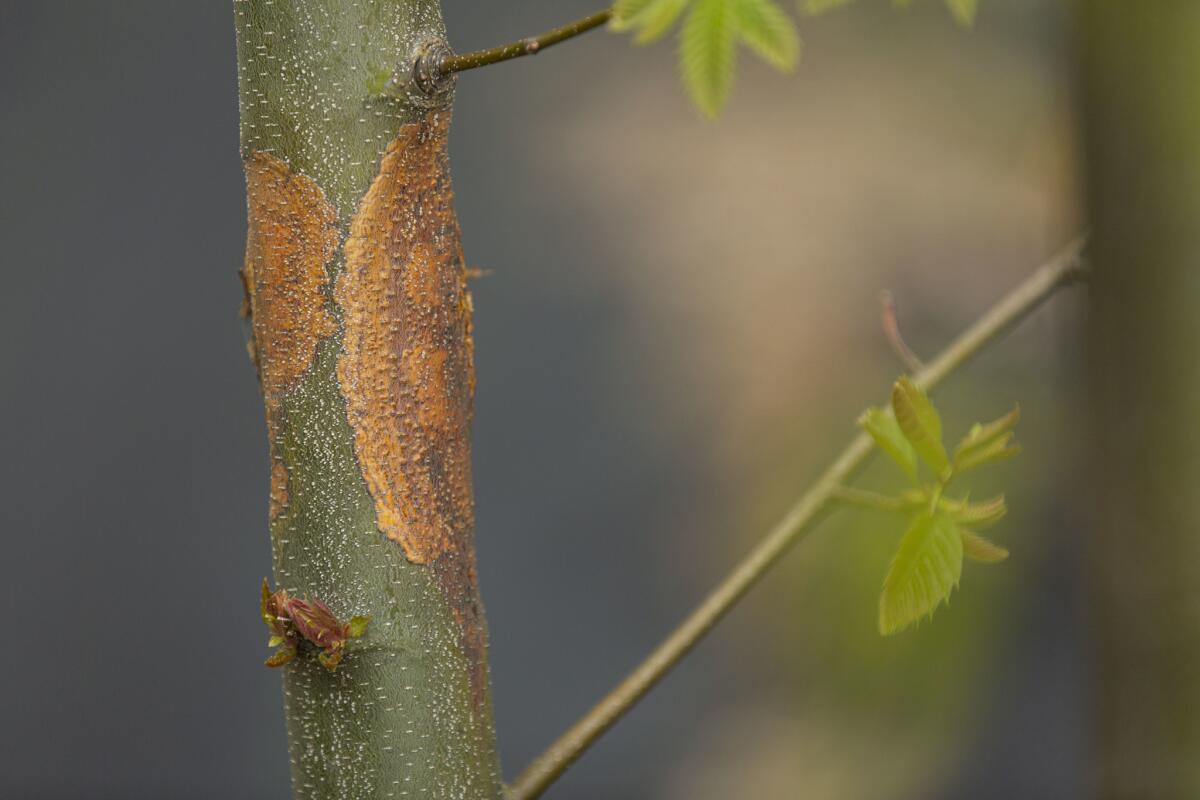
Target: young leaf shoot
[928,562]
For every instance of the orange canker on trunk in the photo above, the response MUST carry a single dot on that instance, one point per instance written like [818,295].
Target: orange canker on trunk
[407,367]
[292,239]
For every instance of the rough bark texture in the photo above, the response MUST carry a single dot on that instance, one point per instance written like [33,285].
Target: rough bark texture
[361,326]
[1140,70]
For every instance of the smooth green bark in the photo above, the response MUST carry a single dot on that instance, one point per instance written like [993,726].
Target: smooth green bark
[399,718]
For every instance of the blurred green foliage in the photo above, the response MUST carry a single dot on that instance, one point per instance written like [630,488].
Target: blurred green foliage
[711,31]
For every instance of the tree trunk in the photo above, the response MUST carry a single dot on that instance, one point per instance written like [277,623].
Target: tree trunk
[1140,70]
[361,332]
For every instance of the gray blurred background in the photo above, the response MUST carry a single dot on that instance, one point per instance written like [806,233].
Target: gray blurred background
[680,326]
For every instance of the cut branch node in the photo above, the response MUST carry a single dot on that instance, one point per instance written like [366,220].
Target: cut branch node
[433,82]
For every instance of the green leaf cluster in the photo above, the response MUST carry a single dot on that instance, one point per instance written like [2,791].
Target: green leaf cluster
[942,531]
[709,36]
[711,31]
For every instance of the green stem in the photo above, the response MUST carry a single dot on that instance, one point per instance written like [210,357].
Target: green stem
[525,47]
[1058,272]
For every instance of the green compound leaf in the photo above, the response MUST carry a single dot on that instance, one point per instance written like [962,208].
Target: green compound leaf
[920,423]
[769,32]
[963,11]
[707,55]
[625,10]
[926,568]
[977,548]
[653,20]
[883,428]
[712,29]
[709,36]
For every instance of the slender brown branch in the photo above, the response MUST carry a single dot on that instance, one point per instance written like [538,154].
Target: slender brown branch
[525,47]
[1063,269]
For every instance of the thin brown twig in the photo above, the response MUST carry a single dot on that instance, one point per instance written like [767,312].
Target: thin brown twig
[525,47]
[1063,269]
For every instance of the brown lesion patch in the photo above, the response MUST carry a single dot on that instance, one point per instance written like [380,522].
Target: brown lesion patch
[292,239]
[406,368]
